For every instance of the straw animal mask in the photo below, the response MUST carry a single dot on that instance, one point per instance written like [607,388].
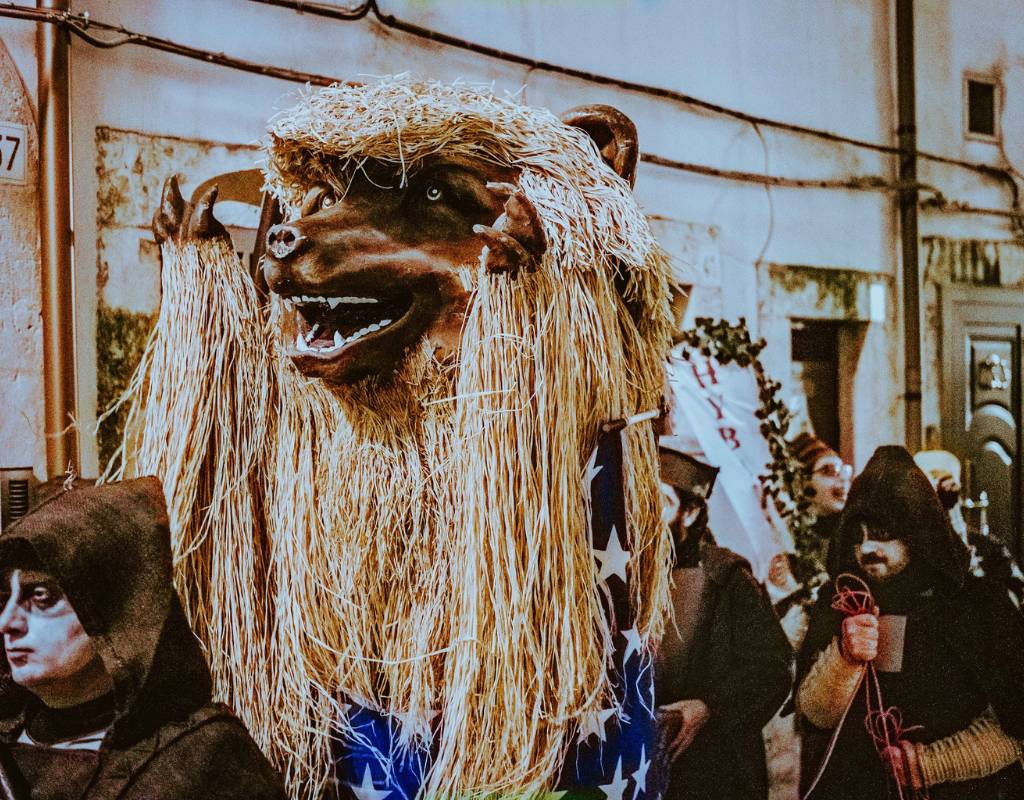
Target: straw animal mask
[377,519]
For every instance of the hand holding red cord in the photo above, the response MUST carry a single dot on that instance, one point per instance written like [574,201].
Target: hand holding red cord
[901,758]
[860,637]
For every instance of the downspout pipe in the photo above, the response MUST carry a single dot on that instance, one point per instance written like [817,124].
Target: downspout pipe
[59,384]
[908,204]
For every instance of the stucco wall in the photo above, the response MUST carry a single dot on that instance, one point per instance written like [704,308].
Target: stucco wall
[21,336]
[130,168]
[771,59]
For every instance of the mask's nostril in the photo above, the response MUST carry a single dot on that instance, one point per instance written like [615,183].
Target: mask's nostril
[283,241]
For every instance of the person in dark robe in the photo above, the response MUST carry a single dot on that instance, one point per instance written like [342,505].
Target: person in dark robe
[990,557]
[723,666]
[104,691]
[947,648]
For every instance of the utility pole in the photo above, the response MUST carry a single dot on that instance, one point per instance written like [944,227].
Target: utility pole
[59,384]
[908,198]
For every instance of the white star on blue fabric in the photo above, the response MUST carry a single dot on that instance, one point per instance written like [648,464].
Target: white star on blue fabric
[367,790]
[593,722]
[613,559]
[633,644]
[414,723]
[616,790]
[592,469]
[640,776]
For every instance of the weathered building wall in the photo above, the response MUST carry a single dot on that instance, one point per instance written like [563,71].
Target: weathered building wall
[984,38]
[130,169]
[770,59]
[774,59]
[21,337]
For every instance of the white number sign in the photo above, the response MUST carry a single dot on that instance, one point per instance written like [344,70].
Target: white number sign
[13,144]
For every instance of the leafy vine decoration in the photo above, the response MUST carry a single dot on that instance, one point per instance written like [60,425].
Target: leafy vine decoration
[787,481]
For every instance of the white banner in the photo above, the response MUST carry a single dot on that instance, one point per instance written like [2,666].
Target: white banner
[714,406]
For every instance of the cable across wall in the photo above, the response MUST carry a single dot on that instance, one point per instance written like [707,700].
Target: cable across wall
[82,26]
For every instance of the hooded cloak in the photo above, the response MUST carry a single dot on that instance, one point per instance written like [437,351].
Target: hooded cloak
[964,643]
[108,548]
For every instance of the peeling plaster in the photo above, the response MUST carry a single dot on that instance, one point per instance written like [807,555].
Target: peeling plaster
[22,441]
[131,168]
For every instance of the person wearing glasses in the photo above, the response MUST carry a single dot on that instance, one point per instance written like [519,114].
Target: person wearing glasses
[828,486]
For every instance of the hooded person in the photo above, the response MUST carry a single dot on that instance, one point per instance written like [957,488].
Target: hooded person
[723,666]
[989,556]
[105,692]
[947,649]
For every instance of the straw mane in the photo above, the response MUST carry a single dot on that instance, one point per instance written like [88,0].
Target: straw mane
[419,546]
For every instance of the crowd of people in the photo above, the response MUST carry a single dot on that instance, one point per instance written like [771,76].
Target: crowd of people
[908,639]
[907,679]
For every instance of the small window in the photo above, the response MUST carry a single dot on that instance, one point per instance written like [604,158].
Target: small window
[981,107]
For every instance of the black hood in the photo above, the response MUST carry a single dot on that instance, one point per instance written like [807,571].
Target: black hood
[893,493]
[109,549]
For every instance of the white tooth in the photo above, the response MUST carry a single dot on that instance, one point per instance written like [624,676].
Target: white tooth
[338,341]
[300,344]
[373,328]
[333,301]
[312,334]
[385,322]
[321,299]
[296,299]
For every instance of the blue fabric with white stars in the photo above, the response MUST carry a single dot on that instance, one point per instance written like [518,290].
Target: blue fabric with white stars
[612,753]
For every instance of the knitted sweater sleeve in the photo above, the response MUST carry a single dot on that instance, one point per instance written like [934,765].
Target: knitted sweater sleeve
[980,750]
[825,693]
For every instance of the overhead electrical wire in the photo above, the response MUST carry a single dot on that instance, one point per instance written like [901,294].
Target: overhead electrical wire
[856,183]
[393,22]
[79,25]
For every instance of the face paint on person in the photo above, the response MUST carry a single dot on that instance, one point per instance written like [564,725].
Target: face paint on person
[881,555]
[48,650]
[678,514]
[830,480]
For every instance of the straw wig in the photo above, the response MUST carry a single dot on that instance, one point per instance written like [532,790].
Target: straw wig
[419,545]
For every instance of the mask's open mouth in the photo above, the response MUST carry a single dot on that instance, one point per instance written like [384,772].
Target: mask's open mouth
[328,326]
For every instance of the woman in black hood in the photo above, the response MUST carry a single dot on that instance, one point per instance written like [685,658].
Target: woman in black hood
[133,718]
[948,649]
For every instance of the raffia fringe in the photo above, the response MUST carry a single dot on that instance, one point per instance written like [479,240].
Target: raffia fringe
[419,545]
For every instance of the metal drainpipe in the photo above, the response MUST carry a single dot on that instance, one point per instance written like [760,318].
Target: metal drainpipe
[908,197]
[59,385]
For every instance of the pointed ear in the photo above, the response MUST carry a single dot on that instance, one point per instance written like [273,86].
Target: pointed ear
[614,134]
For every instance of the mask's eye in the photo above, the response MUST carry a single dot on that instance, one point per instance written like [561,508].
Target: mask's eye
[434,192]
[327,200]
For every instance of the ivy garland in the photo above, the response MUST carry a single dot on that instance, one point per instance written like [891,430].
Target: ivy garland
[787,481]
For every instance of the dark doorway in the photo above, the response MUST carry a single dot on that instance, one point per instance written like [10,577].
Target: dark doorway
[815,359]
[981,399]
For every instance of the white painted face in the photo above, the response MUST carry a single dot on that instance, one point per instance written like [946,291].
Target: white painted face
[881,556]
[830,480]
[47,649]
